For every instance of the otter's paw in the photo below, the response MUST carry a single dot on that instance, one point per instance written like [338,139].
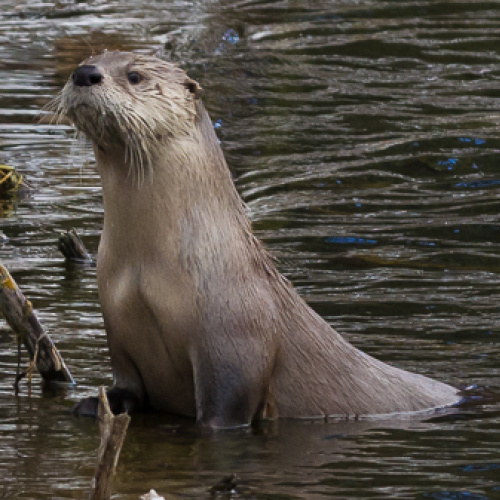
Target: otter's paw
[120,401]
[86,408]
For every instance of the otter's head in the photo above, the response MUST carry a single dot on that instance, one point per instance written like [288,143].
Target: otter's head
[130,102]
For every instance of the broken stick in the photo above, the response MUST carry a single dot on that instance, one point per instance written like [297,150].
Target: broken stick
[112,430]
[19,314]
[72,247]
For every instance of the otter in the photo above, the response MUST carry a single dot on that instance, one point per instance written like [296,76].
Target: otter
[199,321]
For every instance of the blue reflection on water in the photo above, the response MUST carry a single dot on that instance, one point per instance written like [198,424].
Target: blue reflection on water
[455,495]
[478,184]
[231,36]
[475,140]
[350,240]
[450,163]
[480,467]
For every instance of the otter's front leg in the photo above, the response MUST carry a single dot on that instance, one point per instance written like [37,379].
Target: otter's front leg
[120,401]
[229,392]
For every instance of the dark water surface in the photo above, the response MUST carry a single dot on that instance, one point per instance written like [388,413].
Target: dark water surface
[364,136]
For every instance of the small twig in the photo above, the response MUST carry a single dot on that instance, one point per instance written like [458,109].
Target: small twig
[6,177]
[19,375]
[10,180]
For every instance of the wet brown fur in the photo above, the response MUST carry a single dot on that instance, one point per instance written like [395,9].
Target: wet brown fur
[199,321]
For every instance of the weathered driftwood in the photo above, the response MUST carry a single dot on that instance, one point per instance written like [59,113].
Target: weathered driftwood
[19,314]
[112,430]
[72,247]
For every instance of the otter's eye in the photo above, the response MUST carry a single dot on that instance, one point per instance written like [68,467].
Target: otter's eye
[134,78]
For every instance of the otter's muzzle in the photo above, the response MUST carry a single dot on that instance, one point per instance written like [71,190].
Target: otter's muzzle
[86,76]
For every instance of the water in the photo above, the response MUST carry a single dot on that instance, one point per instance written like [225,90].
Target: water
[364,137]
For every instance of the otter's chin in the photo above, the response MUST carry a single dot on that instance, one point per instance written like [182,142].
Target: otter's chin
[93,123]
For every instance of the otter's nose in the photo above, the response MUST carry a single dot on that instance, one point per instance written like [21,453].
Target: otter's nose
[86,76]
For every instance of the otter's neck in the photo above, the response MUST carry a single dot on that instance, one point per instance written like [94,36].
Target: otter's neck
[186,208]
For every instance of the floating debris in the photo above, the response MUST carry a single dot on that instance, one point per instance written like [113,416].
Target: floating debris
[10,180]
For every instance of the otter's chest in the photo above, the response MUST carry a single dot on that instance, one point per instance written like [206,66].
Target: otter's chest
[148,341]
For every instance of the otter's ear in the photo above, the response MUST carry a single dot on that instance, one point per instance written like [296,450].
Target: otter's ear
[194,88]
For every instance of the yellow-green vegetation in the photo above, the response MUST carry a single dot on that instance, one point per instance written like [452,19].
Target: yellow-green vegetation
[10,180]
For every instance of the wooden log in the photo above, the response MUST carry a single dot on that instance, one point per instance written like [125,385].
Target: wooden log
[72,247]
[19,314]
[112,430]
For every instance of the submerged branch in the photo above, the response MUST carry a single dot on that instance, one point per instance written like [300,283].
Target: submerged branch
[72,247]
